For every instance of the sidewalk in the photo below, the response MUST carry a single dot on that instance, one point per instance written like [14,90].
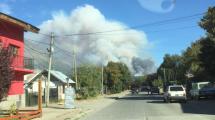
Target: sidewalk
[83,107]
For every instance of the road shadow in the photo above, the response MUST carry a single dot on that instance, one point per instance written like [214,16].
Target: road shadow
[115,98]
[203,106]
[199,107]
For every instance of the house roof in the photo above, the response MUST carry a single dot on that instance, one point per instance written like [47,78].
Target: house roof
[57,74]
[62,77]
[26,26]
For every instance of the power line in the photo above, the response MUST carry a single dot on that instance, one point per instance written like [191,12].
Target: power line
[179,28]
[39,64]
[68,53]
[179,19]
[36,41]
[39,52]
[64,51]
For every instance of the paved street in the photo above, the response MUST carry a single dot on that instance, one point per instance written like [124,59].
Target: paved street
[152,107]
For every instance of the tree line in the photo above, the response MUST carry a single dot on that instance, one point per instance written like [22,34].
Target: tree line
[117,78]
[196,62]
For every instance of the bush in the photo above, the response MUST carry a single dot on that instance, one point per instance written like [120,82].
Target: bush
[93,92]
[85,92]
[82,93]
[12,109]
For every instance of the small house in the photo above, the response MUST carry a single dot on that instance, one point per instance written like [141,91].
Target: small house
[57,85]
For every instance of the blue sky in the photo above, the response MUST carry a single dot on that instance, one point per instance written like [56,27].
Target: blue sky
[129,12]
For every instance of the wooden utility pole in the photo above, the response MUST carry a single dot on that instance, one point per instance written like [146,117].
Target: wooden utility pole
[39,95]
[75,69]
[50,50]
[164,72]
[102,82]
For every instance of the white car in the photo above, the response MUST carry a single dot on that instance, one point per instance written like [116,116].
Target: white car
[175,92]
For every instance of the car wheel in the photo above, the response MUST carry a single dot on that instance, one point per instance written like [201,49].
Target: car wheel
[168,100]
[197,97]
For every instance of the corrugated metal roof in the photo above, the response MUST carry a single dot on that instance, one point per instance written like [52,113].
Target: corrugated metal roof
[62,77]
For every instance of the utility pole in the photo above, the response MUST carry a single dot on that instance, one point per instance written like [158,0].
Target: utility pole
[50,50]
[75,69]
[40,95]
[164,72]
[102,85]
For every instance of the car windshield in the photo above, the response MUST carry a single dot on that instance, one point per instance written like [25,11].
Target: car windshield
[210,85]
[176,89]
[202,85]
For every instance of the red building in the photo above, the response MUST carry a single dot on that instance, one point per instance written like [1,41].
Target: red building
[12,36]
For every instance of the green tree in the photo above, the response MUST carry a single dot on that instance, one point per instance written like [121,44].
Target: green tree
[118,77]
[126,76]
[157,83]
[208,22]
[206,55]
[89,77]
[6,72]
[173,68]
[192,62]
[198,59]
[207,58]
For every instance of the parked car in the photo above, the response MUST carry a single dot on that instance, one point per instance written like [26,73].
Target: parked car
[196,87]
[154,90]
[145,88]
[207,91]
[175,92]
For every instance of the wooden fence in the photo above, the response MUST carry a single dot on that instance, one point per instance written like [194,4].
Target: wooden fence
[24,115]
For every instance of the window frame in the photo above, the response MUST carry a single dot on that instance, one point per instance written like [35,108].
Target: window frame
[14,49]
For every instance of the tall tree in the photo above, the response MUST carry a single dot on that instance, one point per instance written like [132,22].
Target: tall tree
[126,76]
[191,60]
[89,77]
[208,21]
[118,76]
[206,55]
[6,72]
[172,69]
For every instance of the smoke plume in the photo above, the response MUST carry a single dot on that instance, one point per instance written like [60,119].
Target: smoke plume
[142,66]
[73,31]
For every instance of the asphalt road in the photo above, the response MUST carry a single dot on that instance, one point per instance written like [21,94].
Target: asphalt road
[152,107]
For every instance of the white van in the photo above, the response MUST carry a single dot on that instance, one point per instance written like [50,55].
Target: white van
[194,92]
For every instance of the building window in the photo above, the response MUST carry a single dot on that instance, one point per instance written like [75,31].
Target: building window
[14,49]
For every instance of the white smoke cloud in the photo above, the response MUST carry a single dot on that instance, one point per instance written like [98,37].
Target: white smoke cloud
[95,48]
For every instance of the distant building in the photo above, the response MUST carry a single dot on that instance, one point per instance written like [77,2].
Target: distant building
[58,83]
[12,36]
